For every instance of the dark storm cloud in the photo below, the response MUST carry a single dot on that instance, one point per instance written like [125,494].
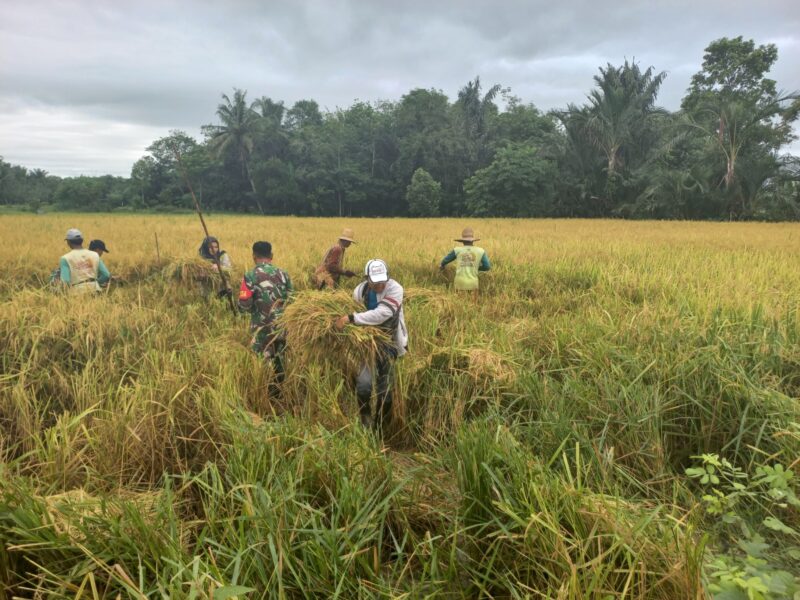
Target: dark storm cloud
[86,86]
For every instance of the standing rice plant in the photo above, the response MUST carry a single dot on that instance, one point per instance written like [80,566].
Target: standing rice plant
[542,430]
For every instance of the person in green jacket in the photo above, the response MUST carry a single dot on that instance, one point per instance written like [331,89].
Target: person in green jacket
[470,259]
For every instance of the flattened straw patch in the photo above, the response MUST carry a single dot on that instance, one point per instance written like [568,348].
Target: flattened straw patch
[481,364]
[440,300]
[68,510]
[486,364]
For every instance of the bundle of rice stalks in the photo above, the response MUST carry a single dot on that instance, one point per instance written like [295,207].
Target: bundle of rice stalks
[481,364]
[138,271]
[311,337]
[190,270]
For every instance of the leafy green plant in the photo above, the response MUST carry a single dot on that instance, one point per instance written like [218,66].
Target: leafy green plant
[756,550]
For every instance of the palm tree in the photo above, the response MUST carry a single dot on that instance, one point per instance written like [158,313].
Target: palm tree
[272,138]
[620,113]
[270,110]
[475,108]
[741,124]
[475,111]
[236,133]
[615,133]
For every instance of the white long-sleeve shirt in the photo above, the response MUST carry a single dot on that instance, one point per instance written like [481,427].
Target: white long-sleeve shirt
[390,303]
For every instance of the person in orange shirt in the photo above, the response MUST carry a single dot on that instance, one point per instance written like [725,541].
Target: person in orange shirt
[327,274]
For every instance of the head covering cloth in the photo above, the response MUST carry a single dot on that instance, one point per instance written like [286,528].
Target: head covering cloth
[204,250]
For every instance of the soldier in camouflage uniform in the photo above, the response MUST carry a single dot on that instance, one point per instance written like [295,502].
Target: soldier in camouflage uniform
[263,293]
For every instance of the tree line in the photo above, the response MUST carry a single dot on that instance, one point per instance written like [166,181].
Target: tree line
[616,155]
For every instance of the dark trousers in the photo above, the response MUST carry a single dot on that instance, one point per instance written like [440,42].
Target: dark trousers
[275,354]
[379,377]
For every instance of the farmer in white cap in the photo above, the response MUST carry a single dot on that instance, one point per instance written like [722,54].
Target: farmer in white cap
[470,259]
[82,271]
[383,299]
[327,274]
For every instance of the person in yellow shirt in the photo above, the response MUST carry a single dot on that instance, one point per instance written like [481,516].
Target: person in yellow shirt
[470,259]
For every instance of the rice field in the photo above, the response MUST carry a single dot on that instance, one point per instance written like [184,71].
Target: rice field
[617,416]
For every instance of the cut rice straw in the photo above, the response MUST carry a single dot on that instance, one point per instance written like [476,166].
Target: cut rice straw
[311,337]
[189,271]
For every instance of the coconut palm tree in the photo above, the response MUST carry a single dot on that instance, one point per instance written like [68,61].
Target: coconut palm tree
[239,124]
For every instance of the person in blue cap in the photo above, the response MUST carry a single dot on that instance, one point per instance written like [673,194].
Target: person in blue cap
[80,270]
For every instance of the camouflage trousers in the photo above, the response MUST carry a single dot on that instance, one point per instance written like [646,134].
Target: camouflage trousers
[269,343]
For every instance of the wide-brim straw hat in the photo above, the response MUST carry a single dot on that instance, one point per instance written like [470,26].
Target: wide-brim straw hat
[467,236]
[347,235]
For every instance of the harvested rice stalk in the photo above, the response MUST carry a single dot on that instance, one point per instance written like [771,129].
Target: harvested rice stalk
[311,337]
[481,364]
[189,271]
[70,509]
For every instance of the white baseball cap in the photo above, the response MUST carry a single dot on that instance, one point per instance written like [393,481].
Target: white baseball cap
[376,271]
[74,235]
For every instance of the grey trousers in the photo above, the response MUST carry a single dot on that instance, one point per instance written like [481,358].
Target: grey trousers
[379,377]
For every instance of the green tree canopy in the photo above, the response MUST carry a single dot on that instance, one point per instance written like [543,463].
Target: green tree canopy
[519,183]
[423,195]
[618,154]
[744,120]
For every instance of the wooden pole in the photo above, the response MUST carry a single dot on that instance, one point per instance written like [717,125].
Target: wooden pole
[221,273]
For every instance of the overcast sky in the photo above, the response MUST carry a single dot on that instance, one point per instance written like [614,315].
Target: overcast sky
[85,85]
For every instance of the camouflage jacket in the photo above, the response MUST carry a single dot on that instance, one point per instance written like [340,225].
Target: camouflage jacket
[263,294]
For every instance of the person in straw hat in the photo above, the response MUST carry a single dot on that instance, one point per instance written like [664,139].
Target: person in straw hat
[470,259]
[327,274]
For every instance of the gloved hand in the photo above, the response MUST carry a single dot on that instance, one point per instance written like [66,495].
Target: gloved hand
[349,274]
[224,293]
